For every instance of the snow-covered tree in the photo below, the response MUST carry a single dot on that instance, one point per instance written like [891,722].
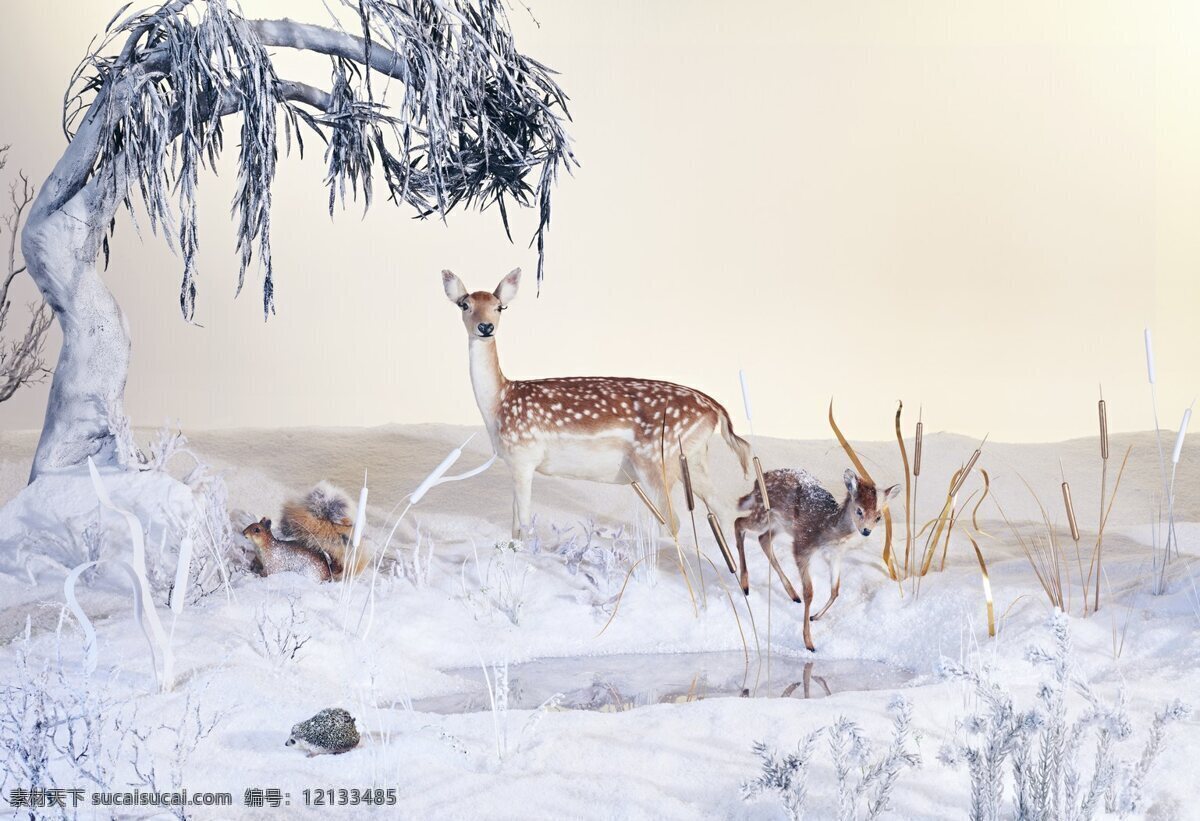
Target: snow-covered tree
[476,123]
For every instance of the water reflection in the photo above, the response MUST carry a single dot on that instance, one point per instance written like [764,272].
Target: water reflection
[623,682]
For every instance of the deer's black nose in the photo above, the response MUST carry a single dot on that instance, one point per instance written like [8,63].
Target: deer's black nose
[486,328]
[866,531]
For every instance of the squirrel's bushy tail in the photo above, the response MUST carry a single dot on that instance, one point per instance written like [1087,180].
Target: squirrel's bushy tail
[323,520]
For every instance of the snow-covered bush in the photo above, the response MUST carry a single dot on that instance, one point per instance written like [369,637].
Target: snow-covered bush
[1041,748]
[168,773]
[281,635]
[864,782]
[501,583]
[600,555]
[59,729]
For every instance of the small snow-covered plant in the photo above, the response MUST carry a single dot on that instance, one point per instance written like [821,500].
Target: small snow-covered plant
[502,583]
[218,552]
[786,776]
[281,636]
[415,567]
[1043,747]
[168,773]
[864,781]
[860,777]
[497,687]
[600,555]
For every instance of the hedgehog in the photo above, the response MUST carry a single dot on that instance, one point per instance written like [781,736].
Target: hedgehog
[330,731]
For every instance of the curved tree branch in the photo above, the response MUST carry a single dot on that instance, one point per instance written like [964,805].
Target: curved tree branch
[323,40]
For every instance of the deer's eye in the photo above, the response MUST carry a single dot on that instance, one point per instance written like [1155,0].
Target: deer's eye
[859,511]
[502,308]
[463,305]
[877,518]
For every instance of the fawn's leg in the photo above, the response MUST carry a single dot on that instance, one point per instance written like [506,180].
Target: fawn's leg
[764,541]
[806,582]
[739,536]
[835,582]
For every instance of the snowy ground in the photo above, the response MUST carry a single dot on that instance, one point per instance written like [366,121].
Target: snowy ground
[473,604]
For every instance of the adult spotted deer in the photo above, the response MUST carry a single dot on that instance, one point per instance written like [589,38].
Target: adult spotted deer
[808,514]
[581,427]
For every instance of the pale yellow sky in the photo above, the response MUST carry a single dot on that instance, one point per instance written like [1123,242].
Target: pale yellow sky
[971,206]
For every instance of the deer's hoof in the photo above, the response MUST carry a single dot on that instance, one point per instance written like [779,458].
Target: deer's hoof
[746,590]
[811,649]
[797,600]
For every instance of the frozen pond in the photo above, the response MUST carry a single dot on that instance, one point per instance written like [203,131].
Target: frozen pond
[623,682]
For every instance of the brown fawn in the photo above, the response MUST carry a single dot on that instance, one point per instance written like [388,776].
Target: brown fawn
[809,515]
[603,429]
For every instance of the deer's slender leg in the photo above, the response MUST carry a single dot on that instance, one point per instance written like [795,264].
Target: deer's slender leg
[835,583]
[764,541]
[650,477]
[806,582]
[739,536]
[522,499]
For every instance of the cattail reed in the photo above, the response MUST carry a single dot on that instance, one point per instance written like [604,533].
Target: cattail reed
[360,517]
[1183,426]
[686,473]
[719,535]
[962,477]
[762,484]
[637,488]
[917,449]
[1066,492]
[1103,430]
[1149,357]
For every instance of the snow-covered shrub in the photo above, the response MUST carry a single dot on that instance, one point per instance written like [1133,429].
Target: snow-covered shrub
[600,555]
[167,773]
[498,689]
[59,729]
[501,584]
[1042,747]
[280,636]
[864,782]
[219,550]
[785,776]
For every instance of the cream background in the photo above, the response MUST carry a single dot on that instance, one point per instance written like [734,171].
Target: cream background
[970,206]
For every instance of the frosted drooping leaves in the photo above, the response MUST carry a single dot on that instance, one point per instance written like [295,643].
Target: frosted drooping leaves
[475,117]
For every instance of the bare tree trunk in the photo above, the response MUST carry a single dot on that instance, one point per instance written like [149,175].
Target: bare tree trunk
[61,245]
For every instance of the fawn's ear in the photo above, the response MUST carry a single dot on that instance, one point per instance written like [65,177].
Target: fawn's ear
[891,493]
[266,523]
[851,479]
[453,286]
[506,291]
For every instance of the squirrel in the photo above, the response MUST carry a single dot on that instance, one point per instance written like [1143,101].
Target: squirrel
[315,536]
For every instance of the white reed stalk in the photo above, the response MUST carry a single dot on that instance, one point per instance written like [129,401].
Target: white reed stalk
[1162,461]
[436,477]
[1183,426]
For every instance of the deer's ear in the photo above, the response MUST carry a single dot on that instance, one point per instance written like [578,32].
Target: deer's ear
[851,479]
[455,290]
[506,291]
[266,523]
[892,492]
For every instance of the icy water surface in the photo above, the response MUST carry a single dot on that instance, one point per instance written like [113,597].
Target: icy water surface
[623,682]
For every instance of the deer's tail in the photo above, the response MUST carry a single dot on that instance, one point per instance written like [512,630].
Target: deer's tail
[739,445]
